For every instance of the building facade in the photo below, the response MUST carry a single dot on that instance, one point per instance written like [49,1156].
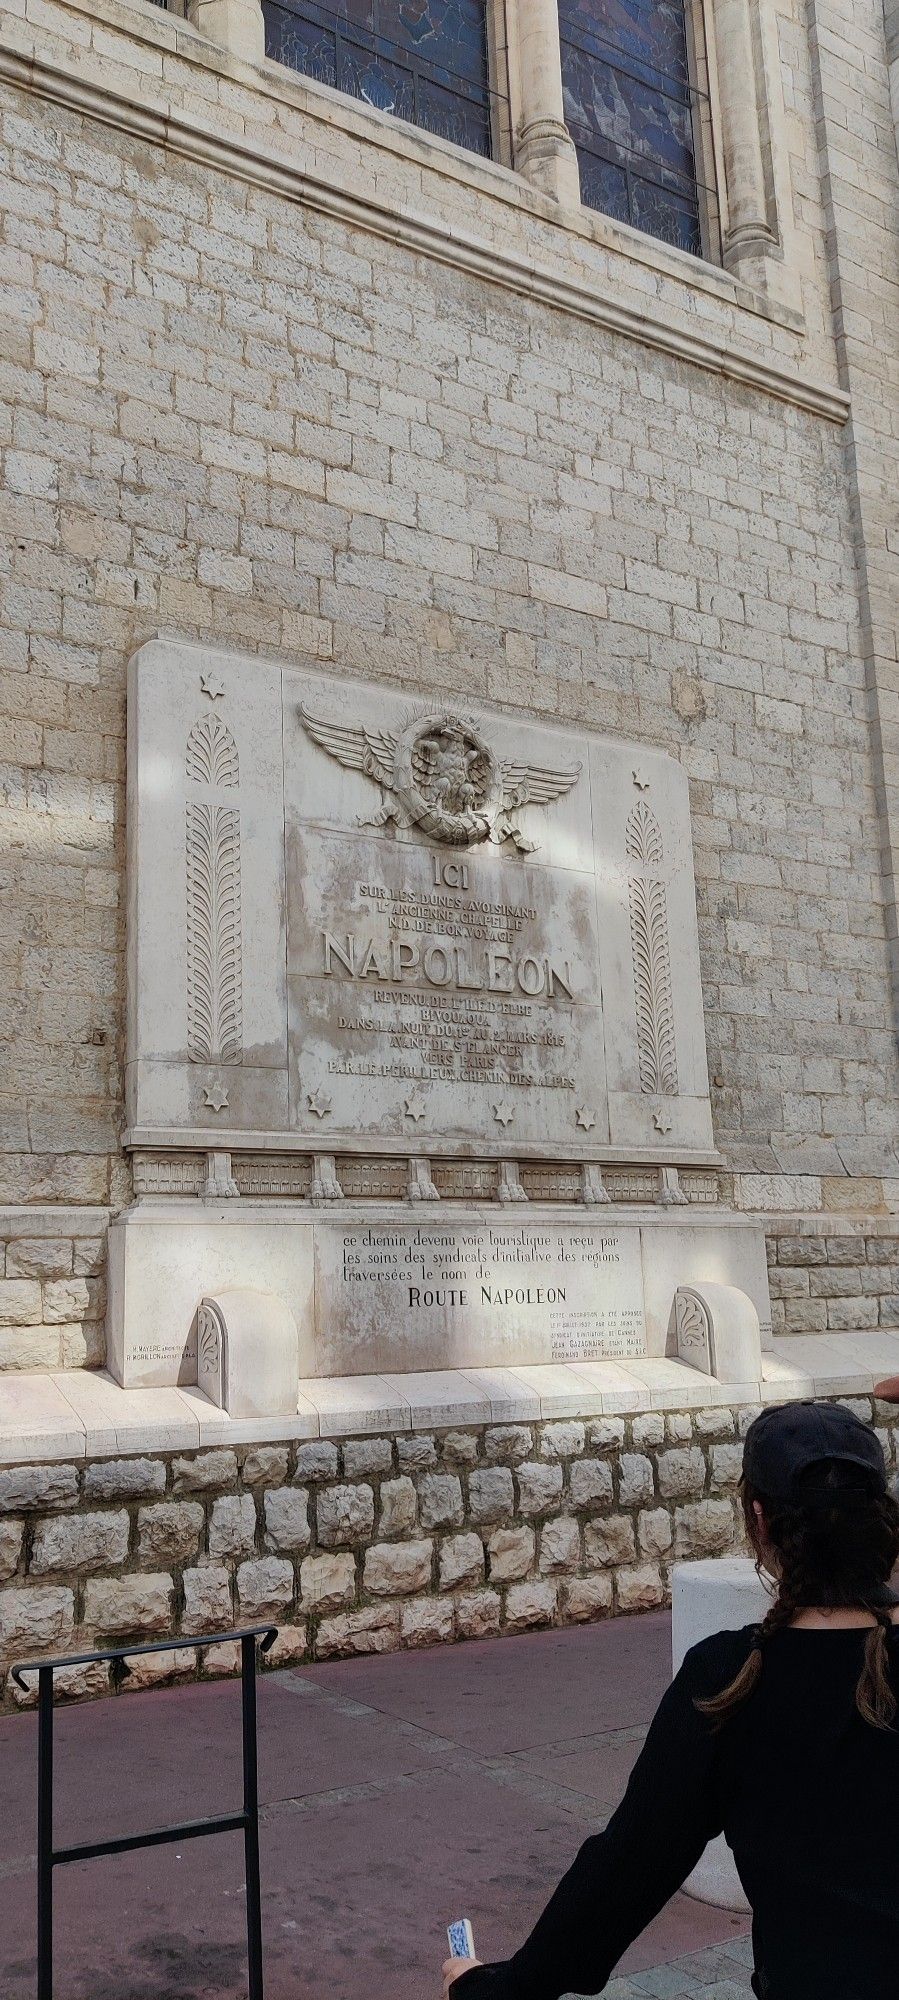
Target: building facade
[542,356]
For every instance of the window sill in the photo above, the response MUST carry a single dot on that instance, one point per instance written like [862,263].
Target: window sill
[413,145]
[279,129]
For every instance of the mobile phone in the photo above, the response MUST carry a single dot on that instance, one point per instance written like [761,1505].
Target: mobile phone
[461,1942]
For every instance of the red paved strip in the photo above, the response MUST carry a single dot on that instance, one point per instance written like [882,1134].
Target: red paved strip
[396,1792]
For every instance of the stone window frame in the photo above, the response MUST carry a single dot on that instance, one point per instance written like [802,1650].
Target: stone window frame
[741,139]
[705,166]
[739,136]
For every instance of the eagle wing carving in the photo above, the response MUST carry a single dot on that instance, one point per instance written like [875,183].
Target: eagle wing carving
[371,751]
[535,784]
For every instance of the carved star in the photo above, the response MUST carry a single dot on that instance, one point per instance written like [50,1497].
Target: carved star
[216,1097]
[212,685]
[640,780]
[585,1116]
[319,1102]
[504,1112]
[415,1106]
[662,1121]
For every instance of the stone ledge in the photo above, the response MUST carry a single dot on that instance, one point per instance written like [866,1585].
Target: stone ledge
[828,1222]
[199,140]
[52,1219]
[84,1414]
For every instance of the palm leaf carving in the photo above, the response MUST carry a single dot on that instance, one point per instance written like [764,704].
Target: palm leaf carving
[214,946]
[212,754]
[643,837]
[653,995]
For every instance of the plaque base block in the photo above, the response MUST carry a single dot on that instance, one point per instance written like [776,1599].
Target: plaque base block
[376,1289]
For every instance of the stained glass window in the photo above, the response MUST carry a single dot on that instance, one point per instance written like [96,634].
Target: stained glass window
[423,60]
[632,110]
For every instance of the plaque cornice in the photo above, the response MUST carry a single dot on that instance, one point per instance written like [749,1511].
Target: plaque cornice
[203,1139]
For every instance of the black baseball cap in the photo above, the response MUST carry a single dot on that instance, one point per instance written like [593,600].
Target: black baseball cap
[784,1440]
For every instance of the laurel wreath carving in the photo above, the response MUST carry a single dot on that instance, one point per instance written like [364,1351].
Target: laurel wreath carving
[653,993]
[214,972]
[212,754]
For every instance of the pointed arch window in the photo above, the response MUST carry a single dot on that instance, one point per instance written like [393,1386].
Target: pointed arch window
[637,115]
[426,61]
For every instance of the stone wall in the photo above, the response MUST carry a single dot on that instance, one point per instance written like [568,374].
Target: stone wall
[825,1278]
[237,407]
[370,1544]
[231,417]
[52,1288]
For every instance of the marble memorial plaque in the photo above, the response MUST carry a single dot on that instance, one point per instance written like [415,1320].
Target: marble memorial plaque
[468,1293]
[365,920]
[380,928]
[377,1289]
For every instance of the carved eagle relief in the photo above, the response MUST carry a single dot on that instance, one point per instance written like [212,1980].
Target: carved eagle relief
[440,774]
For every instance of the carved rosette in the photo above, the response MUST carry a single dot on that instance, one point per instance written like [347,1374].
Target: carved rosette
[211,1353]
[214,943]
[693,1331]
[653,993]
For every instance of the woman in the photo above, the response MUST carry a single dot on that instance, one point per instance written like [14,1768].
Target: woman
[783,1736]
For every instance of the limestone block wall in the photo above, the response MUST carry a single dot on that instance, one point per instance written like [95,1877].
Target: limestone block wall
[368,1544]
[299,398]
[825,1278]
[52,1287]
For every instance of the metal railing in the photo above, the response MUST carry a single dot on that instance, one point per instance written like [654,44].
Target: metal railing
[246,1821]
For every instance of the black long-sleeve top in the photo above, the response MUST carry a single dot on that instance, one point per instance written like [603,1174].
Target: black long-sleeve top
[807,1795]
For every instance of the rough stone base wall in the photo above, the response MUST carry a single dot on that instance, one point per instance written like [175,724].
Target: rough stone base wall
[366,1545]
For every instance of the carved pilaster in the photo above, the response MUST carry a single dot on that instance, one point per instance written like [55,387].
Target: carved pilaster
[325,1184]
[509,1186]
[237,25]
[670,1193]
[593,1188]
[542,144]
[219,1183]
[421,1186]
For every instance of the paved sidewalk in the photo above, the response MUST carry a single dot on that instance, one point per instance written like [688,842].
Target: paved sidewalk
[396,1793]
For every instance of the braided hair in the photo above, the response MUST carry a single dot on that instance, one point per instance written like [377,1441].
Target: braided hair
[835,1543]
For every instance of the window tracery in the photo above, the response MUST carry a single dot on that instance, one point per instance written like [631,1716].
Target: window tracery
[631,106]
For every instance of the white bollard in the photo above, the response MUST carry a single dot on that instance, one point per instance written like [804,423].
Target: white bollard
[706,1597]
